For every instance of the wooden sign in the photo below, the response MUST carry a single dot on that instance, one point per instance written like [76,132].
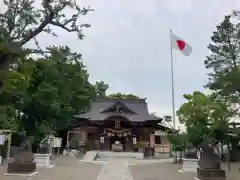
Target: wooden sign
[160,133]
[134,140]
[57,142]
[2,139]
[102,139]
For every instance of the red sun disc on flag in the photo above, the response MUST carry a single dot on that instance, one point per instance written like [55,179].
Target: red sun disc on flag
[181,44]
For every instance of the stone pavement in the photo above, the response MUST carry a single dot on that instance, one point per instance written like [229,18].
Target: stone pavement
[234,172]
[169,171]
[70,168]
[115,169]
[67,168]
[160,171]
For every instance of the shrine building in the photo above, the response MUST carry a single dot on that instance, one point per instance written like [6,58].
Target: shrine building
[118,125]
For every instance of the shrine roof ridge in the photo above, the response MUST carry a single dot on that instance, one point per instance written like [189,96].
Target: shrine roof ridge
[142,100]
[99,110]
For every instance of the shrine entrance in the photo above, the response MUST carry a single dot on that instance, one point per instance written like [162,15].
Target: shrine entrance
[116,134]
[119,140]
[117,143]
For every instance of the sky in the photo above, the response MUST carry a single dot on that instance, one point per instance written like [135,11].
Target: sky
[128,45]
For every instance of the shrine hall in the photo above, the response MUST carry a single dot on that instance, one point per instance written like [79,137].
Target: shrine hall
[118,125]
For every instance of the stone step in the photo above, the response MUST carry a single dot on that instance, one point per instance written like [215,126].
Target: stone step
[89,156]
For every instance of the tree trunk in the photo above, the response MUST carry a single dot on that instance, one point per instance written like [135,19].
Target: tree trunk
[5,61]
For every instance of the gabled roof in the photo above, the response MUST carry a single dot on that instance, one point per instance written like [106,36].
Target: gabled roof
[139,107]
[116,105]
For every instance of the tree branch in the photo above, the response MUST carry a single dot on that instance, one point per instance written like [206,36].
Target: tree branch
[73,19]
[64,27]
[37,51]
[35,32]
[18,34]
[45,22]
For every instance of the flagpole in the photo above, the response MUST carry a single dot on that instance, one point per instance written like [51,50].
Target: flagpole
[172,76]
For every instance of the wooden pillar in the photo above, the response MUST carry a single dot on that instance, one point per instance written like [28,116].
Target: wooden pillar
[85,136]
[152,140]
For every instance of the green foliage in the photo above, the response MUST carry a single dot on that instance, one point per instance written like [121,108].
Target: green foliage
[58,89]
[101,89]
[219,129]
[42,95]
[101,92]
[123,96]
[203,118]
[11,94]
[224,61]
[7,118]
[179,141]
[139,145]
[21,21]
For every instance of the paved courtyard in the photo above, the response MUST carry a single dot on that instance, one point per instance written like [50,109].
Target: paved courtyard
[67,168]
[70,168]
[234,172]
[161,171]
[115,169]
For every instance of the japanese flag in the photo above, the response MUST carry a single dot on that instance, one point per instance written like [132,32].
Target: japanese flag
[181,45]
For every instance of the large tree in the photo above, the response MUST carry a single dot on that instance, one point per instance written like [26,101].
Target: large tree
[31,89]
[101,89]
[123,96]
[101,92]
[58,89]
[42,95]
[23,20]
[224,61]
[204,118]
[178,140]
[11,96]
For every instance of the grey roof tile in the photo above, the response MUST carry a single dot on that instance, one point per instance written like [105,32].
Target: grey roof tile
[138,106]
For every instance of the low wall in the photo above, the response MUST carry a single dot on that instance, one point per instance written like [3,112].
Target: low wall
[122,154]
[162,148]
[161,155]
[42,160]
